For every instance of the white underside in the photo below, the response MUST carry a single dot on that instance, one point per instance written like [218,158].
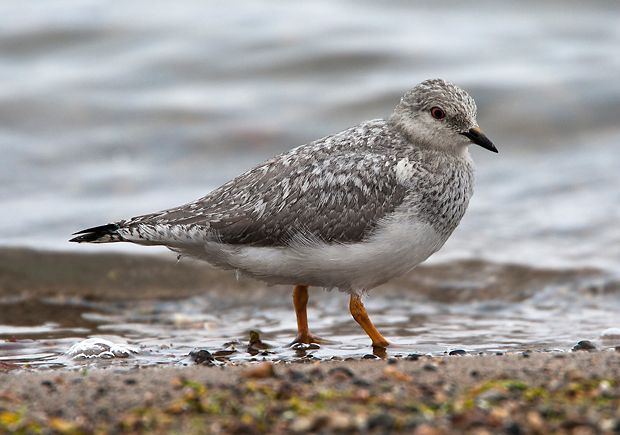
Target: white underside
[394,249]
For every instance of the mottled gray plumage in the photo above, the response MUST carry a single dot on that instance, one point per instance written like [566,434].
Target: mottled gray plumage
[391,177]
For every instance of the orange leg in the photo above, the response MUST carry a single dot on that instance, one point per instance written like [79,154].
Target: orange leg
[358,311]
[300,300]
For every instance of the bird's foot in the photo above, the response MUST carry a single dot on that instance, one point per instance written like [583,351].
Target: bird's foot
[381,343]
[307,339]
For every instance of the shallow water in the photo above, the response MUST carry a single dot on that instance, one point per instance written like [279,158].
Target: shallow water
[108,112]
[554,316]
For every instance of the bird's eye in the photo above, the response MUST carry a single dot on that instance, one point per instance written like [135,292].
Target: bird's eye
[437,113]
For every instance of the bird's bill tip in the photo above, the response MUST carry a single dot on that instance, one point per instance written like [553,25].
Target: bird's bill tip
[479,138]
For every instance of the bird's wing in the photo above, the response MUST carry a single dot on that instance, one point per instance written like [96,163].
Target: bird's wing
[328,191]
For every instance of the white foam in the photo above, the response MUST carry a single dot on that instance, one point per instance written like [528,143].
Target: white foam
[95,347]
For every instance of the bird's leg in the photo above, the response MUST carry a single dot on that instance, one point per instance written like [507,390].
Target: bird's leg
[358,311]
[300,300]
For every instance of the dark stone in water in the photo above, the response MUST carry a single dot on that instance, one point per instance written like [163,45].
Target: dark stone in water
[392,361]
[617,348]
[201,356]
[457,352]
[414,356]
[256,342]
[370,356]
[584,345]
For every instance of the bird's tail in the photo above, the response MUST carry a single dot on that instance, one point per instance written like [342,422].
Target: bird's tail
[101,234]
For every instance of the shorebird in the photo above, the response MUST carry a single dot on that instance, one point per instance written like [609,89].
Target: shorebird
[348,211]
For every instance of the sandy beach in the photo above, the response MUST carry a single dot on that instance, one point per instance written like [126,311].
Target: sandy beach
[575,393]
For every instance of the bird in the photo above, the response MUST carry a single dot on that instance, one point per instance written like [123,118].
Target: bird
[349,211]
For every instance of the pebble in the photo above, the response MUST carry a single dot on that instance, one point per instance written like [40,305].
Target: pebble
[370,356]
[584,345]
[457,352]
[414,356]
[201,356]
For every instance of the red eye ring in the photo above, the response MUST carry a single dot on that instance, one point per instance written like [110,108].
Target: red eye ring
[437,112]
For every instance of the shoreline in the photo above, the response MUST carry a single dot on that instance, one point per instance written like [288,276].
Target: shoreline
[26,273]
[576,392]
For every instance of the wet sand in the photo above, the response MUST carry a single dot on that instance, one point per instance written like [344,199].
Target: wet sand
[574,392]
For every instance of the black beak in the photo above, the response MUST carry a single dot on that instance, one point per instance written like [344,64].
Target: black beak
[477,136]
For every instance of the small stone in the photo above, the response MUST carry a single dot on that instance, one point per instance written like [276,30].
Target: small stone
[430,367]
[457,352]
[255,343]
[201,356]
[392,361]
[584,345]
[414,356]
[370,356]
[617,348]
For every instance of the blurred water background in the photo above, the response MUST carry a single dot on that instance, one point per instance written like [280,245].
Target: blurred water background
[109,110]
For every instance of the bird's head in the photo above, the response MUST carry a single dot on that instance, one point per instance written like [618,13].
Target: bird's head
[440,115]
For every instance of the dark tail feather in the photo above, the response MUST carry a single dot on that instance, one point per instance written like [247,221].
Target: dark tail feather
[101,234]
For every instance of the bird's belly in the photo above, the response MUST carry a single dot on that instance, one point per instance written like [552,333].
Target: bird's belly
[394,249]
